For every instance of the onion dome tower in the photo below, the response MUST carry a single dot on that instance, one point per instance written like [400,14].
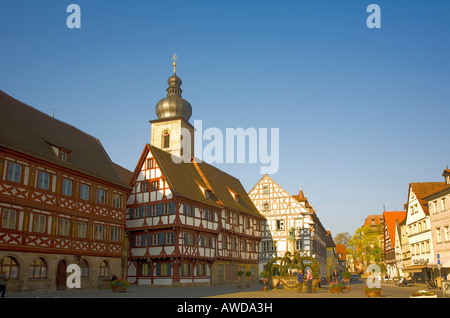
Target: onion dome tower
[172,131]
[173,105]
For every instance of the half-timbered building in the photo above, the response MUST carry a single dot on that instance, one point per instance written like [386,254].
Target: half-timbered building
[62,202]
[291,224]
[188,222]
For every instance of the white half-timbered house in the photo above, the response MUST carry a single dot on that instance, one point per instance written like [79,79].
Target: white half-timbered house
[62,202]
[284,213]
[188,223]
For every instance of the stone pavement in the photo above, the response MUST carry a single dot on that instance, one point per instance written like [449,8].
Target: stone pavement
[254,291]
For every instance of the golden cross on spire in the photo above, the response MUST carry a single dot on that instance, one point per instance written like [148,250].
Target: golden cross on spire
[174,57]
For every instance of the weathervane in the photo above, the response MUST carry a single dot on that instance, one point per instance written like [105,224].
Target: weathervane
[174,57]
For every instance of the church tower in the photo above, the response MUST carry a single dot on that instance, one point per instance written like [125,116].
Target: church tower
[172,131]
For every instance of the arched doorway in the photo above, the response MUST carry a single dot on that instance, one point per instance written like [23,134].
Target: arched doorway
[61,275]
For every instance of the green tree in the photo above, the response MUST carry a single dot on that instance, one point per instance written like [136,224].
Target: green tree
[367,246]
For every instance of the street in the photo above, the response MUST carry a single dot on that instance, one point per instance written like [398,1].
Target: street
[389,290]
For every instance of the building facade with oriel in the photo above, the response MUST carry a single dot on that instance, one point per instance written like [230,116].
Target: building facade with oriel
[439,210]
[285,213]
[189,223]
[62,202]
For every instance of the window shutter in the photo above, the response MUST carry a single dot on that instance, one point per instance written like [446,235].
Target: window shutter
[132,240]
[148,208]
[159,208]
[141,211]
[144,240]
[172,207]
[130,211]
[161,238]
[158,269]
[184,208]
[169,269]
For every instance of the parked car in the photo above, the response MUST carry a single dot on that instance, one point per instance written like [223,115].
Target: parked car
[354,278]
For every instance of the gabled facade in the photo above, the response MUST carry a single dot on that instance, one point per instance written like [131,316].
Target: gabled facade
[284,212]
[189,223]
[62,202]
[390,222]
[439,211]
[418,228]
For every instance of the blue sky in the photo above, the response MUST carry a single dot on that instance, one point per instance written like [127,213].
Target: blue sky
[362,112]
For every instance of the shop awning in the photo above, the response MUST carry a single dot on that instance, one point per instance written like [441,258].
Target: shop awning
[445,262]
[414,268]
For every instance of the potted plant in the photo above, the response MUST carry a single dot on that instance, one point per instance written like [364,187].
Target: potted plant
[423,294]
[240,274]
[247,278]
[372,292]
[265,279]
[336,287]
[346,276]
[119,285]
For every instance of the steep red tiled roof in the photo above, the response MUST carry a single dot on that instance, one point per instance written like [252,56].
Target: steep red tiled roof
[424,189]
[389,220]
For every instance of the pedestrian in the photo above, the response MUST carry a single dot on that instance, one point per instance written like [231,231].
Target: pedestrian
[300,280]
[309,279]
[335,276]
[3,282]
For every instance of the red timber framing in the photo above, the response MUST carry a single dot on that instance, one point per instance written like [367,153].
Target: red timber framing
[177,240]
[42,212]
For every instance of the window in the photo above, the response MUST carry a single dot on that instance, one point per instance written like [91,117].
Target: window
[9,218]
[82,229]
[200,269]
[298,245]
[170,238]
[188,239]
[14,172]
[140,240]
[446,233]
[266,206]
[84,192]
[438,234]
[117,200]
[144,186]
[84,266]
[150,163]
[38,270]
[114,235]
[166,139]
[103,269]
[145,269]
[101,196]
[187,209]
[280,225]
[435,205]
[164,269]
[98,232]
[266,190]
[43,180]
[63,155]
[154,210]
[67,187]
[157,239]
[39,223]
[155,185]
[166,208]
[9,266]
[444,206]
[64,227]
[186,269]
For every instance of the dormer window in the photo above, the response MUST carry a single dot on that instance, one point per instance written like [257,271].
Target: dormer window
[209,194]
[63,154]
[235,196]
